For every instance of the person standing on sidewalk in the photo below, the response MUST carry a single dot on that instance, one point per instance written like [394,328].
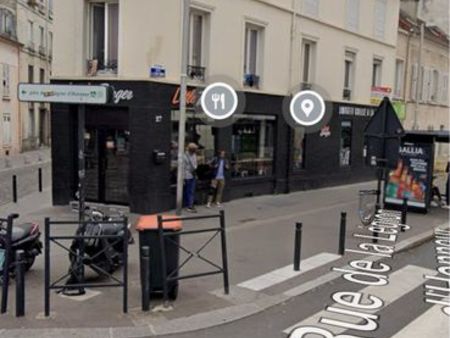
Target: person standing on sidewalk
[190,167]
[219,165]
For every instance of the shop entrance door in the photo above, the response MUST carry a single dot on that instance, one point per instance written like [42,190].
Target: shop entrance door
[107,164]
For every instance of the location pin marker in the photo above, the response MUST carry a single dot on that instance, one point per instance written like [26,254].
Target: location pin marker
[307,107]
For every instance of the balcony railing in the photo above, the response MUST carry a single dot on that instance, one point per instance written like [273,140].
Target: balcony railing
[196,72]
[251,80]
[42,50]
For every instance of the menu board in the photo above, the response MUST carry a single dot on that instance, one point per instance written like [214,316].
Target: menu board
[412,177]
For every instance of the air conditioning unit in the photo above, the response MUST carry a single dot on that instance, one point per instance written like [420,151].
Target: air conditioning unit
[251,80]
[347,94]
[306,86]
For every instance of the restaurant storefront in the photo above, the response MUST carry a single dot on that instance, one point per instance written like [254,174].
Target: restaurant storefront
[266,156]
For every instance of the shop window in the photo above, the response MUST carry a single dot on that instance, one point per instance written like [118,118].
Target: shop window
[376,72]
[308,63]
[399,74]
[349,75]
[7,130]
[252,146]
[252,55]
[197,132]
[353,15]
[6,80]
[298,160]
[380,18]
[346,144]
[104,37]
[198,29]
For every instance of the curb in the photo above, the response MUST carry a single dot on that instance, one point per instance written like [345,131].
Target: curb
[209,319]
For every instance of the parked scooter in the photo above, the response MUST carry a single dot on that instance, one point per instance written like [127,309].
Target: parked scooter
[24,237]
[103,255]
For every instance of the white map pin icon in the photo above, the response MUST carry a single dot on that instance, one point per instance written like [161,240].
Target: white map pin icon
[307,107]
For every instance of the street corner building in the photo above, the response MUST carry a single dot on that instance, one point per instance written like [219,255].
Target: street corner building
[135,46]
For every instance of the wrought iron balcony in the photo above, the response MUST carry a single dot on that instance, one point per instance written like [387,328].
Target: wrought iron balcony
[196,72]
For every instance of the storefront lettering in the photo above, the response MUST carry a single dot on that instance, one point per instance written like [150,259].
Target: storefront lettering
[191,97]
[123,95]
[356,111]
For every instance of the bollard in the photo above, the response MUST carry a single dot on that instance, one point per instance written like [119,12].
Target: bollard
[145,254]
[14,187]
[342,233]
[404,213]
[20,283]
[297,246]
[40,179]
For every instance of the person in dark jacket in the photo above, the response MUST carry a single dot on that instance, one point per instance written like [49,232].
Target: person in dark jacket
[219,166]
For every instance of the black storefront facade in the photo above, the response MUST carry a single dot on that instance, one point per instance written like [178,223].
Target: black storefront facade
[267,156]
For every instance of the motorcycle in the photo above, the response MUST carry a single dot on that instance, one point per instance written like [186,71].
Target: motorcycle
[103,255]
[24,237]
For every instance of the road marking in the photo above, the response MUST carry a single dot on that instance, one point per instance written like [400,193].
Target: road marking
[281,275]
[400,283]
[432,323]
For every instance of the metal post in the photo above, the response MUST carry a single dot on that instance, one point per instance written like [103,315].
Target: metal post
[145,287]
[81,168]
[342,233]
[226,283]
[297,246]
[14,187]
[47,267]
[182,121]
[404,213]
[5,282]
[375,237]
[20,283]
[40,179]
[162,249]
[125,265]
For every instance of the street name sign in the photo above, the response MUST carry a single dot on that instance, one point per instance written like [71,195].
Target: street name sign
[72,94]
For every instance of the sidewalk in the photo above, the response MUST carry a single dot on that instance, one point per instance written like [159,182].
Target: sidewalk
[260,234]
[25,167]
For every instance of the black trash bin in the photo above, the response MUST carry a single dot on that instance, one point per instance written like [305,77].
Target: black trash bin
[147,227]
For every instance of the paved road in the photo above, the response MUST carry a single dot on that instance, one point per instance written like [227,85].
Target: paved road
[404,313]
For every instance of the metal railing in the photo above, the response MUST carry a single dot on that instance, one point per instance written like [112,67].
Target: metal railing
[196,72]
[81,259]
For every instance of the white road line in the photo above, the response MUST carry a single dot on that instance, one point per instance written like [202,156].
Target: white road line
[400,283]
[432,323]
[283,274]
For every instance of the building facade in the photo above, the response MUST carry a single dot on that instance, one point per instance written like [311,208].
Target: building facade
[266,48]
[10,130]
[35,33]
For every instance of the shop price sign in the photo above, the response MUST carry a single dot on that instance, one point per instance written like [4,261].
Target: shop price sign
[72,94]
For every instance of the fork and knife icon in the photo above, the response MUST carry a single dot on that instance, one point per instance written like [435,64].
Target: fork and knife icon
[216,98]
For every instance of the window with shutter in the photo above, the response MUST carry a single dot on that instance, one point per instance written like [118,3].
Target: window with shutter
[425,93]
[380,18]
[353,15]
[434,86]
[414,80]
[444,90]
[399,73]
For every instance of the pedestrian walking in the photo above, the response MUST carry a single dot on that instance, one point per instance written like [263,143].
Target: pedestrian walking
[190,168]
[219,166]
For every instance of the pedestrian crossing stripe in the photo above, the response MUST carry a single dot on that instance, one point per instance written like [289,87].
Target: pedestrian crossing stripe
[401,282]
[283,274]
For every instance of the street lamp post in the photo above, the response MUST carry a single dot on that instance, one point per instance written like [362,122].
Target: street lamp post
[182,121]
